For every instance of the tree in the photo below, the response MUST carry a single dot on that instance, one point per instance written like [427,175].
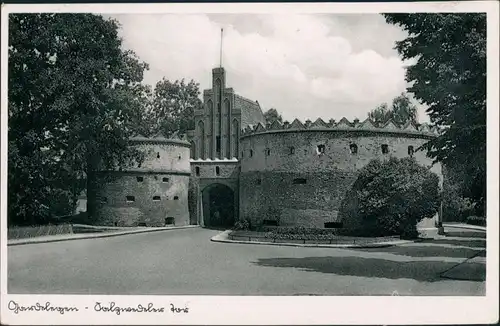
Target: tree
[72,95]
[401,110]
[391,197]
[173,106]
[449,76]
[272,115]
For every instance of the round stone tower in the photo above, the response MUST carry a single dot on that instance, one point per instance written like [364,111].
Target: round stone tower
[155,193]
[298,174]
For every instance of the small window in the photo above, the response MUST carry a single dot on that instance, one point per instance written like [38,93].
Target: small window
[165,179]
[354,149]
[251,153]
[180,157]
[169,221]
[176,197]
[270,222]
[333,225]
[156,198]
[217,170]
[299,181]
[217,144]
[131,199]
[142,224]
[158,155]
[104,199]
[197,170]
[140,179]
[411,150]
[292,150]
[258,181]
[385,149]
[242,152]
[320,149]
[268,151]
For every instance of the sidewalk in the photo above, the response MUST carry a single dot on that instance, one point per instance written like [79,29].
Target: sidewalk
[224,238]
[73,236]
[463,226]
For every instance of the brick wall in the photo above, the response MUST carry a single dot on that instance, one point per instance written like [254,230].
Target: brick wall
[328,176]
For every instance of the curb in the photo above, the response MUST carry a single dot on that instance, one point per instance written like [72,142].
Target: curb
[223,238]
[464,226]
[95,235]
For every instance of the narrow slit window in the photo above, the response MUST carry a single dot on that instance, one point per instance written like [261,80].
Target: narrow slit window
[411,150]
[217,170]
[299,181]
[268,151]
[354,149]
[140,179]
[251,153]
[158,155]
[156,198]
[292,150]
[130,199]
[385,149]
[197,170]
[320,149]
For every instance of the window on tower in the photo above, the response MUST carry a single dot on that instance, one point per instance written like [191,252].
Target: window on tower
[217,144]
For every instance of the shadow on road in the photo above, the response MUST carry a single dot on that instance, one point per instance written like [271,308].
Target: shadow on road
[428,271]
[426,251]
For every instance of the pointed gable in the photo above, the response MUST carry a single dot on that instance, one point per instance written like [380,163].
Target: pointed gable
[296,124]
[410,126]
[367,124]
[260,128]
[319,123]
[390,125]
[424,127]
[276,125]
[343,123]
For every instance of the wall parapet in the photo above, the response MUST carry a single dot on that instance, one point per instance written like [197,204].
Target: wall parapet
[175,139]
[344,125]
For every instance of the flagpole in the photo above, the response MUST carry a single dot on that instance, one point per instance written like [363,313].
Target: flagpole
[221,34]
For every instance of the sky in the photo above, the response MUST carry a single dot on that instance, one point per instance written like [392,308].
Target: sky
[305,66]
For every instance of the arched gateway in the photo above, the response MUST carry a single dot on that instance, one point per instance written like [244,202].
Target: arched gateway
[218,201]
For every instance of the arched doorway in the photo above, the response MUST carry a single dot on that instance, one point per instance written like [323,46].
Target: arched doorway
[218,206]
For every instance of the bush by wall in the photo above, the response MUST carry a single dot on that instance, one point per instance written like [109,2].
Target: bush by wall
[476,220]
[391,197]
[15,232]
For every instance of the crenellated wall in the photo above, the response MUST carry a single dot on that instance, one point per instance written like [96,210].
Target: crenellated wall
[299,173]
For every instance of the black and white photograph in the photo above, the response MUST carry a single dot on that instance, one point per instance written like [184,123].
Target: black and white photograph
[155,157]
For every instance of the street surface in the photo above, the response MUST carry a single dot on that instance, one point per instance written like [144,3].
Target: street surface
[187,262]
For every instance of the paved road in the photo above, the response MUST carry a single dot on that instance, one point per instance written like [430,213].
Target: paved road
[186,262]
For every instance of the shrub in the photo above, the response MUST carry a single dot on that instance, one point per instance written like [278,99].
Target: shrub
[476,220]
[242,225]
[391,197]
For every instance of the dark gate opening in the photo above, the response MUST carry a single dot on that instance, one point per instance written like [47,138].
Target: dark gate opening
[219,210]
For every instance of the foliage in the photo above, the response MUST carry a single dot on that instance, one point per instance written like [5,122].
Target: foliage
[72,98]
[476,220]
[449,76]
[401,111]
[272,115]
[243,225]
[303,233]
[456,208]
[172,107]
[391,197]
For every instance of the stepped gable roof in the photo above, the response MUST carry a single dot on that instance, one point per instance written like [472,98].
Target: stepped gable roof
[260,127]
[251,112]
[410,126]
